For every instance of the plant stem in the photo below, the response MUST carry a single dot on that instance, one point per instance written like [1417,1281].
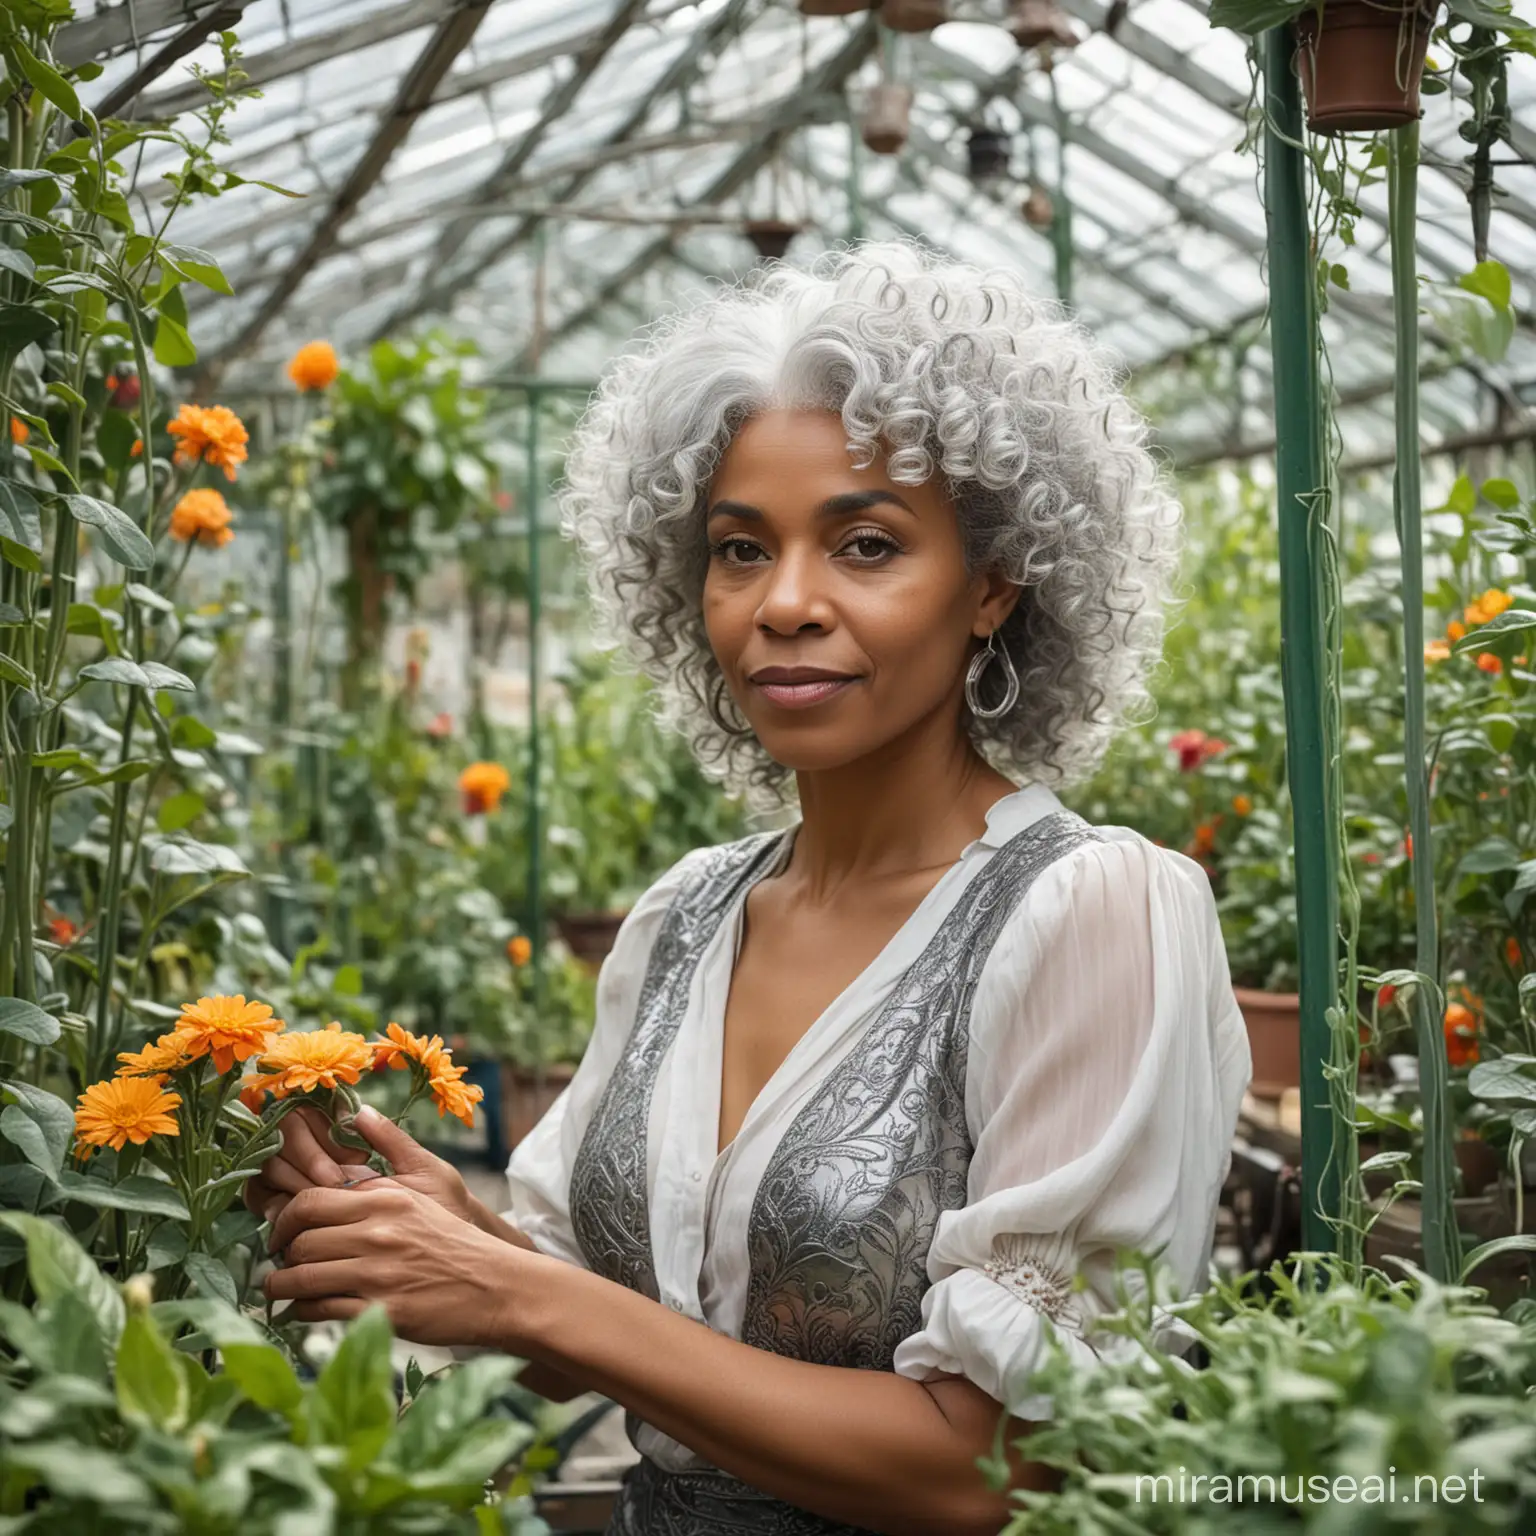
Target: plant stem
[104,1044]
[1442,1247]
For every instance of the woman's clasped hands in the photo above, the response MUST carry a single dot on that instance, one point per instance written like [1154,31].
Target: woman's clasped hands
[416,1242]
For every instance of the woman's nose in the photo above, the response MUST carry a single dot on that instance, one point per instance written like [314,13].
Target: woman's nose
[794,592]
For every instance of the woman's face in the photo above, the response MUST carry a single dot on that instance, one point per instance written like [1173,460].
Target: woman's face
[837,601]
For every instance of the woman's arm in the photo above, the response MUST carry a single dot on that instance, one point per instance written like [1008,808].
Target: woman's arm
[868,1447]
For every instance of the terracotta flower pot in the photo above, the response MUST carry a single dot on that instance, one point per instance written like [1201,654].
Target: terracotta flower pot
[1038,208]
[527,1094]
[1479,1163]
[1361,62]
[1274,1039]
[914,15]
[590,935]
[833,7]
[771,237]
[1041,23]
[887,117]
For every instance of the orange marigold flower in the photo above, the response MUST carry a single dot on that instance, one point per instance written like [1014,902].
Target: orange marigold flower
[314,366]
[204,516]
[1490,605]
[1489,663]
[1512,952]
[519,950]
[453,1097]
[168,1054]
[20,431]
[125,1109]
[400,1048]
[212,433]
[1242,804]
[315,1058]
[1205,837]
[1437,650]
[482,786]
[1408,844]
[227,1028]
[1461,1035]
[253,1090]
[62,931]
[137,451]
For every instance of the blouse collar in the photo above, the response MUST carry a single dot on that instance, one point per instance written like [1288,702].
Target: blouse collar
[1013,813]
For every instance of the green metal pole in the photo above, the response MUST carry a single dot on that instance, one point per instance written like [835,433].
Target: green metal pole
[535,818]
[1061,221]
[1302,487]
[855,180]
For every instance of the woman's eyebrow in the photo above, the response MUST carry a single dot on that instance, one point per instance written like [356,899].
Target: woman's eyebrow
[844,504]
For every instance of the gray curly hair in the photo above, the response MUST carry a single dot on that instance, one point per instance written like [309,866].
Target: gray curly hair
[944,368]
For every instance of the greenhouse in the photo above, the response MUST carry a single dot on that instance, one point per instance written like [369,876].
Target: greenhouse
[767,766]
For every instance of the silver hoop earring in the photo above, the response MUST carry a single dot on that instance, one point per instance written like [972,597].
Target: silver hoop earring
[979,664]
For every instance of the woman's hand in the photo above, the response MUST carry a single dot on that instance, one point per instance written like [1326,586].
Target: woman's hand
[442,1280]
[312,1159]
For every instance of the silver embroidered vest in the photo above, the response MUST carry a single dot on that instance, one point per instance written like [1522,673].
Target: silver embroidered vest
[847,1207]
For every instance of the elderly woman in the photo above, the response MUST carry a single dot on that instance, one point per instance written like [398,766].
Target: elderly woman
[872,1101]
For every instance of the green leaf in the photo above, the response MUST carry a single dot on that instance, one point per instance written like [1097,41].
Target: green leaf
[1502,1083]
[173,346]
[10,180]
[52,1115]
[82,1472]
[137,1193]
[17,261]
[149,598]
[265,1377]
[13,672]
[115,437]
[57,1264]
[11,615]
[162,676]
[28,1022]
[47,81]
[20,326]
[121,537]
[23,1132]
[1488,856]
[190,732]
[151,1389]
[449,1405]
[198,265]
[1502,493]
[1513,621]
[20,518]
[353,1402]
[180,810]
[211,1278]
[1519,1242]
[116,669]
[222,1323]
[18,553]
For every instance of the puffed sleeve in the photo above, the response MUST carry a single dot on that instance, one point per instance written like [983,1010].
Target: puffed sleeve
[1107,1062]
[539,1172]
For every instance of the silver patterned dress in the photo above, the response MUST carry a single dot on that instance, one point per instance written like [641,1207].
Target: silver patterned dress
[846,1210]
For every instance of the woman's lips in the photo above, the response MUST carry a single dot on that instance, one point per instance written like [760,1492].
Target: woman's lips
[803,695]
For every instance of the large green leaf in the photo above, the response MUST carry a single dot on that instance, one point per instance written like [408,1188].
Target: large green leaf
[450,1404]
[54,1118]
[20,520]
[211,1278]
[150,674]
[28,1021]
[151,1388]
[57,1264]
[138,1193]
[47,81]
[20,326]
[120,536]
[24,1133]
[264,1376]
[353,1402]
[1503,1082]
[81,1472]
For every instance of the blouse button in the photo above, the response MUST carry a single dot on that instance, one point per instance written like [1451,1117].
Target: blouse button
[695,1175]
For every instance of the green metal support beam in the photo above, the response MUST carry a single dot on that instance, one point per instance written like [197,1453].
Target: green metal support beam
[1302,505]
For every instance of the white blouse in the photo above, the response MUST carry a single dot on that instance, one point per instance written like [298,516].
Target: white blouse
[1107,1059]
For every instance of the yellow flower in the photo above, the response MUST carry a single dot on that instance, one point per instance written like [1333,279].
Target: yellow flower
[482,786]
[402,1047]
[212,433]
[314,1058]
[204,516]
[1490,605]
[1436,650]
[314,366]
[519,950]
[168,1054]
[227,1028]
[125,1109]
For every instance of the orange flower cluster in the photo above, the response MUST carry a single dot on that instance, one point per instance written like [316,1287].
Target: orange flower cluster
[306,1060]
[211,433]
[1461,1026]
[519,950]
[314,366]
[125,1109]
[1242,804]
[205,516]
[1194,747]
[1481,610]
[401,1050]
[482,785]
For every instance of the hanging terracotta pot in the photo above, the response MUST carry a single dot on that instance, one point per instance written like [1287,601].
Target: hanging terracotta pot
[833,7]
[914,15]
[1041,23]
[1361,63]
[1038,209]
[771,237]
[1274,1039]
[987,154]
[887,117]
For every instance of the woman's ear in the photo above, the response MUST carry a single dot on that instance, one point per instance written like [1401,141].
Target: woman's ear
[999,597]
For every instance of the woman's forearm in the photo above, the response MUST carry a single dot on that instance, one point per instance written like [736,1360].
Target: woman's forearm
[868,1447]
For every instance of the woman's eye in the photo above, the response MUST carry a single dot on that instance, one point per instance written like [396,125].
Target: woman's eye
[869,547]
[737,551]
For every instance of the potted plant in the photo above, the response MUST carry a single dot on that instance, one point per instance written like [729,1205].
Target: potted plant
[913,15]
[887,117]
[771,238]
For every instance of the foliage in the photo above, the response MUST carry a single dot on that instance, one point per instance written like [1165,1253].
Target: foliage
[111,1416]
[1315,1374]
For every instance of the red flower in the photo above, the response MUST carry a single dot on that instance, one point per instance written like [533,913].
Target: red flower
[1194,747]
[1512,952]
[62,930]
[125,392]
[1386,996]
